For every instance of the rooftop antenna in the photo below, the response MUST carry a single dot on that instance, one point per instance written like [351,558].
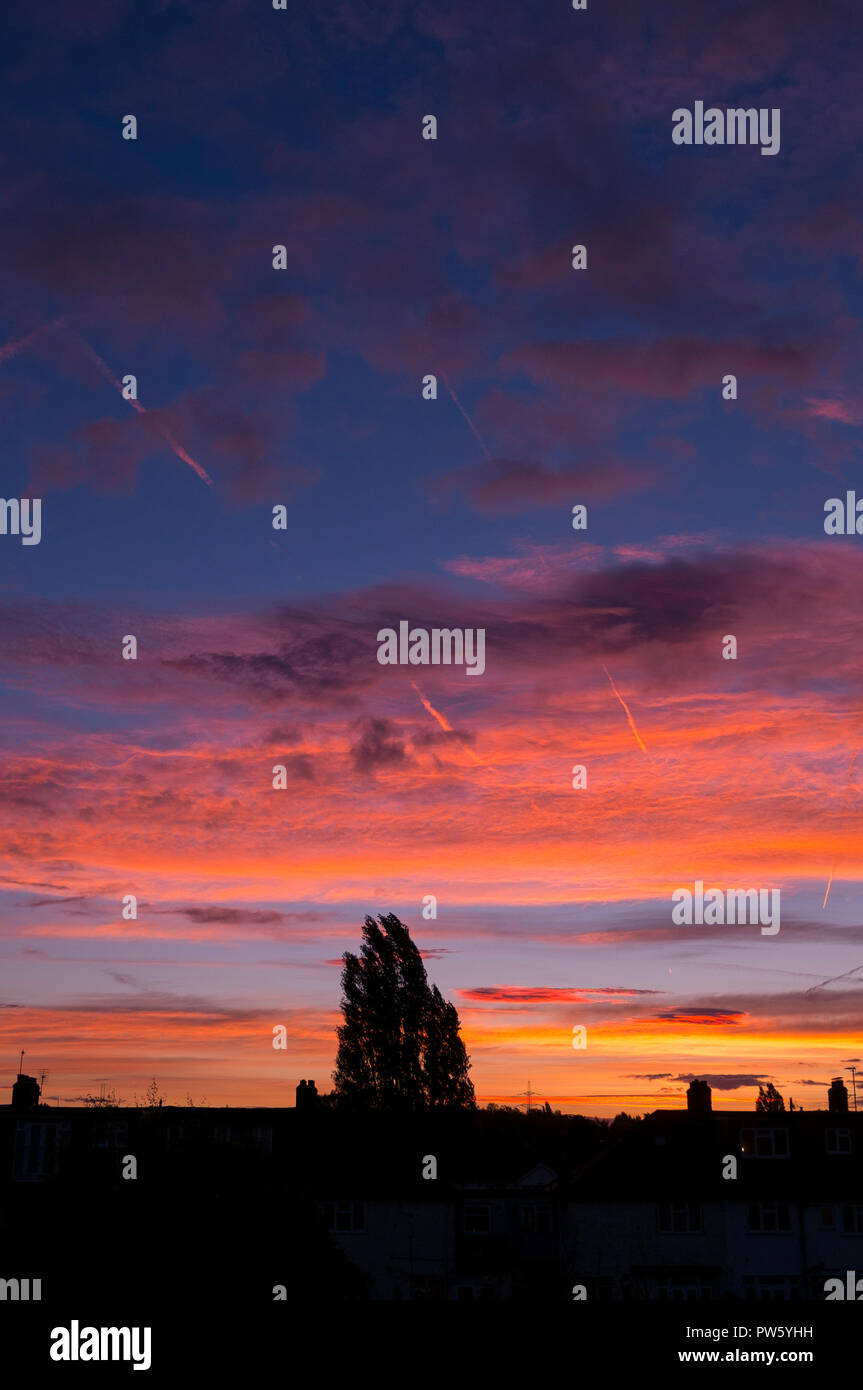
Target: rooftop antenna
[21,1063]
[853,1071]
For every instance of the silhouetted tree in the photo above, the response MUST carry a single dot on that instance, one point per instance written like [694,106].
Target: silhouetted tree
[153,1097]
[624,1121]
[769,1100]
[399,1046]
[108,1101]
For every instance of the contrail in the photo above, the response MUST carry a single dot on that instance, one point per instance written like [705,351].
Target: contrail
[844,799]
[833,979]
[447,727]
[166,435]
[10,350]
[466,416]
[436,714]
[638,737]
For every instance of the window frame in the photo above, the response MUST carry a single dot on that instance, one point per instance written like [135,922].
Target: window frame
[759,1134]
[837,1134]
[694,1218]
[761,1208]
[355,1211]
[469,1230]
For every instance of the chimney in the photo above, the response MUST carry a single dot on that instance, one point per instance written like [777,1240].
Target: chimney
[698,1098]
[26,1093]
[307,1095]
[837,1097]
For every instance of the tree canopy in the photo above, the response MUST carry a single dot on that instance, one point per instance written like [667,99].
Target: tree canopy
[399,1045]
[769,1100]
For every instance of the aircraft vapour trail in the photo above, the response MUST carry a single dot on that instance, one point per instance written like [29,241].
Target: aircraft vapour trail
[447,727]
[844,799]
[833,978]
[638,737]
[466,416]
[441,718]
[166,435]
[10,350]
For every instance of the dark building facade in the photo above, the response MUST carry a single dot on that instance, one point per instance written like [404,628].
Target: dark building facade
[694,1204]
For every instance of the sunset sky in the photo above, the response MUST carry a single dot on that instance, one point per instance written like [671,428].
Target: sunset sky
[302,387]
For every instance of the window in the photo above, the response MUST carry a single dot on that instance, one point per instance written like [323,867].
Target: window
[38,1150]
[852,1220]
[110,1136]
[676,1290]
[838,1141]
[535,1219]
[477,1219]
[828,1217]
[769,1216]
[345,1216]
[770,1286]
[764,1143]
[678,1216]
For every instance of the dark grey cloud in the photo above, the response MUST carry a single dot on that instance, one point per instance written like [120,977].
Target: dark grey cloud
[379,745]
[53,902]
[701,1014]
[724,1081]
